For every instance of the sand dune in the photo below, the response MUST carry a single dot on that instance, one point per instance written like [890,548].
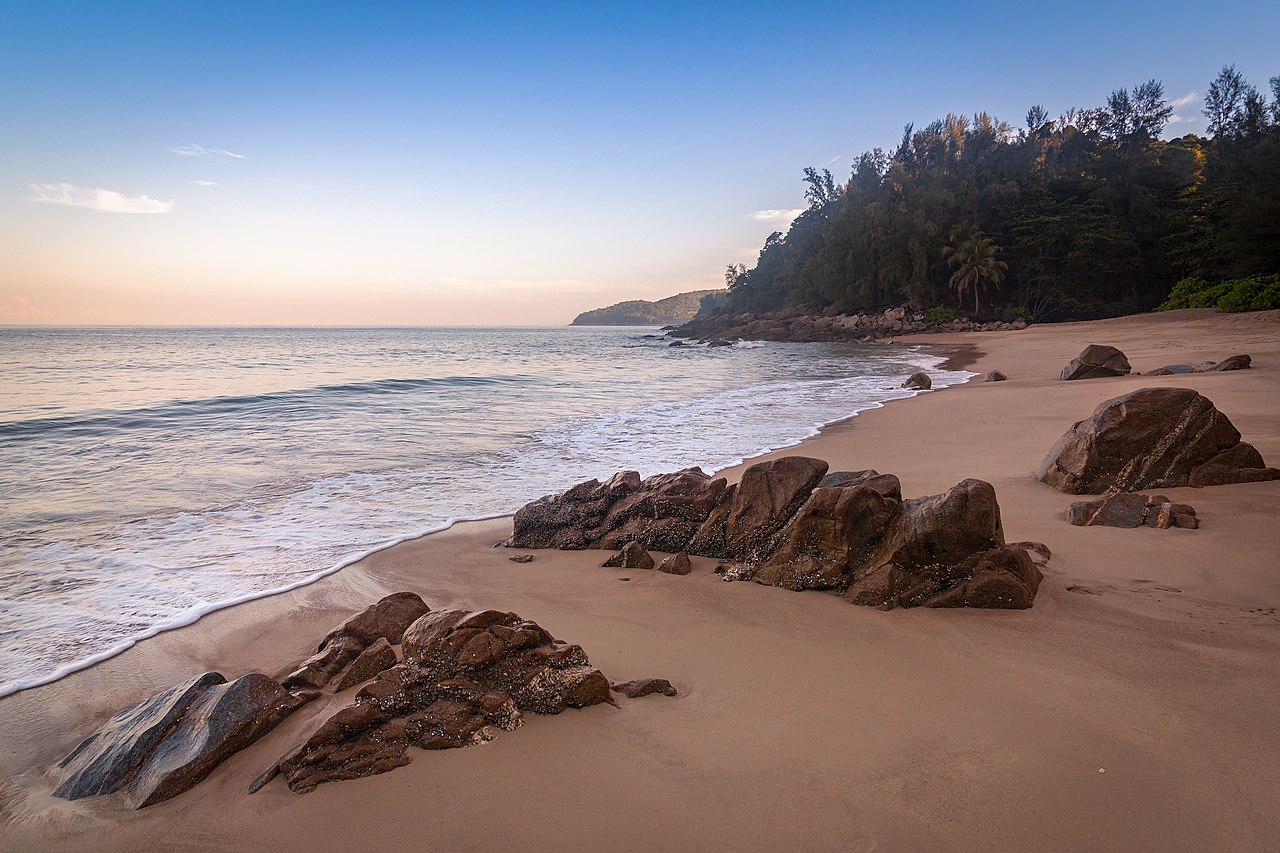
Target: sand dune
[1135,707]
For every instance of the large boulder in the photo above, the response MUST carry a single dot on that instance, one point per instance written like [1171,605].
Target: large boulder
[224,720]
[465,677]
[1094,361]
[168,742]
[1152,438]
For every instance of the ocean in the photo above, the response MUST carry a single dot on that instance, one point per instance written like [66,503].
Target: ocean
[151,475]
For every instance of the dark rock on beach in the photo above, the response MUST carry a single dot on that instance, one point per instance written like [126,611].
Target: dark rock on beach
[632,556]
[918,381]
[676,564]
[1236,362]
[386,619]
[994,376]
[465,677]
[1095,361]
[1152,438]
[644,687]
[169,742]
[1132,509]
[789,523]
[372,661]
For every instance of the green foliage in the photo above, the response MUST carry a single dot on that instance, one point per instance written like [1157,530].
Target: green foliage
[1255,293]
[940,316]
[1088,215]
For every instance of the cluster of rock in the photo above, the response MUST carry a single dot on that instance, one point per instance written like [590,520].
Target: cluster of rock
[1098,360]
[1149,439]
[803,324]
[464,677]
[789,523]
[1133,509]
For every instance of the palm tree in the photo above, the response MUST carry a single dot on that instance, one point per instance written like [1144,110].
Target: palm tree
[973,254]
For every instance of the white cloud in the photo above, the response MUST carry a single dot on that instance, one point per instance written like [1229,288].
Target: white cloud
[205,183]
[104,201]
[200,151]
[777,217]
[1189,98]
[832,161]
[18,309]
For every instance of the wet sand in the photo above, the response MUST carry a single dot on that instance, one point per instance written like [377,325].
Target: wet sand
[1135,707]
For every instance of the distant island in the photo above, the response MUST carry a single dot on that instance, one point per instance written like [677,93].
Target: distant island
[674,310]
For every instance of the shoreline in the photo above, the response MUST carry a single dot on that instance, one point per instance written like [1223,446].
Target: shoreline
[954,359]
[1149,654]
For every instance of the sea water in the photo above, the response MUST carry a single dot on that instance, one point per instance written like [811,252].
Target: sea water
[151,475]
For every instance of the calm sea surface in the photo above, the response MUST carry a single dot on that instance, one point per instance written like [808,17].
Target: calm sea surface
[148,476]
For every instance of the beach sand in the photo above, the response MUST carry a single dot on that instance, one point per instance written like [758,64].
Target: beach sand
[1135,707]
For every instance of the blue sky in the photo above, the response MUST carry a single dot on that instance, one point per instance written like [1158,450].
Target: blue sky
[506,163]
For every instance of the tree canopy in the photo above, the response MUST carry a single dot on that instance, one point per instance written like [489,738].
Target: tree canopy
[1090,214]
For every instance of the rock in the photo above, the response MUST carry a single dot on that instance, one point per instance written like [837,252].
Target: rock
[676,564]
[222,721]
[644,687]
[522,558]
[319,669]
[465,677]
[632,556]
[1131,509]
[372,661]
[1170,370]
[1096,360]
[106,760]
[994,376]
[1152,438]
[766,498]
[1236,362]
[677,344]
[1204,366]
[918,381]
[388,618]
[719,343]
[1018,324]
[167,743]
[1003,578]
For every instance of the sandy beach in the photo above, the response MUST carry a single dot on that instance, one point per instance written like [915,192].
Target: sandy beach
[1135,707]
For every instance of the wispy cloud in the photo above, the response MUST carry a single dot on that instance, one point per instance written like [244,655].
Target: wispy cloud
[777,217]
[103,201]
[1189,98]
[200,151]
[205,183]
[18,309]
[831,161]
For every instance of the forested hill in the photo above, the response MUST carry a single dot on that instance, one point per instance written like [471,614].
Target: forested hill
[638,312]
[1086,215]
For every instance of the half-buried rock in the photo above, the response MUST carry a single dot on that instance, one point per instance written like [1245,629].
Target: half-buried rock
[167,743]
[1152,438]
[1096,360]
[1132,509]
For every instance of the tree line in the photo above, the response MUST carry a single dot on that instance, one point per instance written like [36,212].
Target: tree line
[1089,214]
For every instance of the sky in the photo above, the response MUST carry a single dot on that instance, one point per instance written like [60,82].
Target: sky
[383,163]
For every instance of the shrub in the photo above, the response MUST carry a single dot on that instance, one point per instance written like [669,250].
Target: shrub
[940,316]
[1256,293]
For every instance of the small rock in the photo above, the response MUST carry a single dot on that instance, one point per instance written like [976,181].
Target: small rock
[522,558]
[632,556]
[644,687]
[1170,370]
[1130,509]
[918,381]
[676,564]
[994,376]
[1236,362]
[1094,361]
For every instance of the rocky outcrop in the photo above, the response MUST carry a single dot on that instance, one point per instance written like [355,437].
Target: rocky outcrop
[789,523]
[372,661]
[1152,438]
[1095,361]
[805,324]
[1132,509]
[641,312]
[918,381]
[169,742]
[465,677]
